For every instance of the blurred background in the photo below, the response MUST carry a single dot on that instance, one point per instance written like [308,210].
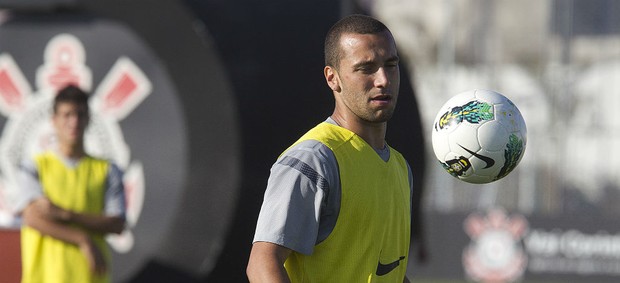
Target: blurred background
[195,99]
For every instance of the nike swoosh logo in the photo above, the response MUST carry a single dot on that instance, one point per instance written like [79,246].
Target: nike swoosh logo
[383,269]
[488,160]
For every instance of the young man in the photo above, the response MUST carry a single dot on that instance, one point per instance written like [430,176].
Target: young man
[69,201]
[338,202]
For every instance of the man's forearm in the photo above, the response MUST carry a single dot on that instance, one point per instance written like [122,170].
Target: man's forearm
[268,272]
[266,263]
[35,219]
[97,223]
[93,222]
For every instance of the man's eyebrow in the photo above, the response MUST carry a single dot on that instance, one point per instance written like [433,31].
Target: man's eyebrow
[363,63]
[394,58]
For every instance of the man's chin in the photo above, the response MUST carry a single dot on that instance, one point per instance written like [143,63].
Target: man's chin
[383,117]
[378,119]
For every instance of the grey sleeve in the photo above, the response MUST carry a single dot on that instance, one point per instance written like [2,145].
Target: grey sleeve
[115,193]
[28,186]
[291,211]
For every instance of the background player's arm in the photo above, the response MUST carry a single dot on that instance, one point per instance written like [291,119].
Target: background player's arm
[98,223]
[266,263]
[111,221]
[36,219]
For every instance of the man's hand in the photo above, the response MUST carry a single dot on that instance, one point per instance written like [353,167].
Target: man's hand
[94,256]
[35,217]
[51,211]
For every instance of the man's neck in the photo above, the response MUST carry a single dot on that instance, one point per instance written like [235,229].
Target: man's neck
[372,133]
[72,152]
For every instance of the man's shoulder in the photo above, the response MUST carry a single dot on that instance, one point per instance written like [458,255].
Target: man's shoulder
[329,134]
[308,149]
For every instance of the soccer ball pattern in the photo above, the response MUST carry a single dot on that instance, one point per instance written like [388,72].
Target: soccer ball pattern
[479,136]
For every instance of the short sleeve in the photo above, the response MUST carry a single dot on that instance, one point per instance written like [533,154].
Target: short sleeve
[115,193]
[29,188]
[297,187]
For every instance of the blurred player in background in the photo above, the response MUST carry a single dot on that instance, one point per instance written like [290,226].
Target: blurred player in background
[337,207]
[69,201]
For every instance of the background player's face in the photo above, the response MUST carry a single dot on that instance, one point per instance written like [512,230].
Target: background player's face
[70,121]
[369,75]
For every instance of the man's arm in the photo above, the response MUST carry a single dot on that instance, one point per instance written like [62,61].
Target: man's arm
[92,222]
[98,223]
[37,220]
[266,263]
[32,194]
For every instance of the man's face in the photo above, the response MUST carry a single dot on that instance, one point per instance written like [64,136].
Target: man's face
[368,75]
[70,121]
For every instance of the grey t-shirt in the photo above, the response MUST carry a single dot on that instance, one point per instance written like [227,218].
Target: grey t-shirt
[302,199]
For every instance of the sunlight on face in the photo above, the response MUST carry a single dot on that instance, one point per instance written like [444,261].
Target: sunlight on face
[369,75]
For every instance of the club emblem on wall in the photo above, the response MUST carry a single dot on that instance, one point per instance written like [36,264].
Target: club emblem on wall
[495,253]
[28,129]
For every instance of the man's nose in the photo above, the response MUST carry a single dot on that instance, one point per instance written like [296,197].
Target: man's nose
[381,78]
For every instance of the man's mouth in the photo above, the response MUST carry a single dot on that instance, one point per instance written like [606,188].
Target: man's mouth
[381,98]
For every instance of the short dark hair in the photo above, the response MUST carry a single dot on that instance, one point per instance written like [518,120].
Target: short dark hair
[356,23]
[70,94]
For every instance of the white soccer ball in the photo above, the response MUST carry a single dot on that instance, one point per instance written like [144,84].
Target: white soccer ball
[479,136]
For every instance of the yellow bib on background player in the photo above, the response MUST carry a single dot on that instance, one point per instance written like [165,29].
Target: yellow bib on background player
[81,189]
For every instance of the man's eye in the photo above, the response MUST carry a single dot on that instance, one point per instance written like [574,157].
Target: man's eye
[366,69]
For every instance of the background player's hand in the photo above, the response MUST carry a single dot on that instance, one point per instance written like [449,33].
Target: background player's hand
[50,210]
[94,256]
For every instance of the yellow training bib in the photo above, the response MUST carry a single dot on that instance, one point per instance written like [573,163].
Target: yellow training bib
[46,259]
[370,241]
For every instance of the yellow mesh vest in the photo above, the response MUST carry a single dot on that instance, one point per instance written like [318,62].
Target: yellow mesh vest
[373,226]
[81,189]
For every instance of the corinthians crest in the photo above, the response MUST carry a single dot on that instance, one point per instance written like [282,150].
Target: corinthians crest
[28,129]
[495,253]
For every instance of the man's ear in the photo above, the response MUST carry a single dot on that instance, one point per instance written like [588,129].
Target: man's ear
[332,78]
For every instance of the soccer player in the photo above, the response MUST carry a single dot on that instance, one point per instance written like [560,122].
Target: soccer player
[337,207]
[69,200]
